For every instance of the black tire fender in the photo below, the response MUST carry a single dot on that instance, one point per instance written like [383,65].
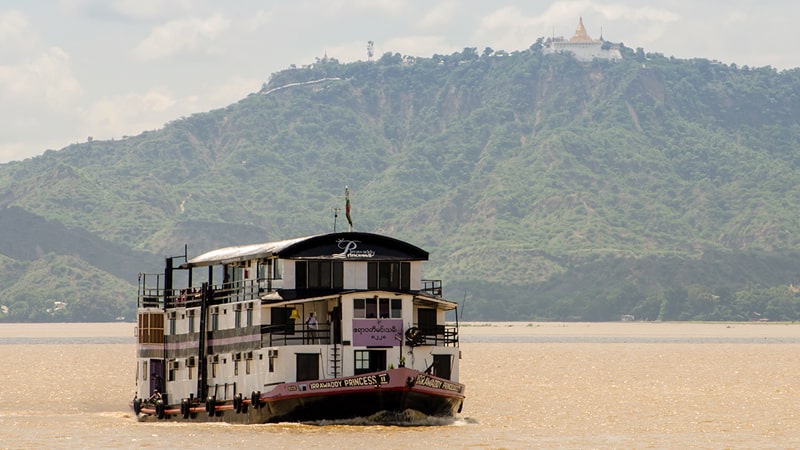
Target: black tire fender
[237,403]
[211,406]
[185,408]
[160,409]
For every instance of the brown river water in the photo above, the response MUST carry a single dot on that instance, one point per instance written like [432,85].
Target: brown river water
[529,385]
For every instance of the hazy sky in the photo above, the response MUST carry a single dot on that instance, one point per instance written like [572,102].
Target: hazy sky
[70,69]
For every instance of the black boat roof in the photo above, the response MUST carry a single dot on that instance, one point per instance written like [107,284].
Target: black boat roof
[335,246]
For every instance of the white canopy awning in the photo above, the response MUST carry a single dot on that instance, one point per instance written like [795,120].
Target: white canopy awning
[228,255]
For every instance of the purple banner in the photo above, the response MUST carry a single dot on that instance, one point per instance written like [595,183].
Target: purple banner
[377,332]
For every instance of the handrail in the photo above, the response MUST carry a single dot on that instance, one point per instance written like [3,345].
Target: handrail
[288,334]
[432,288]
[156,296]
[436,335]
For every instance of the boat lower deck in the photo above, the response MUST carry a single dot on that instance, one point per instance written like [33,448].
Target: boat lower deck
[395,390]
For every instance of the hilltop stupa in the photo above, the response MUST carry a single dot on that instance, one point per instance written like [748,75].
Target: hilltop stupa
[583,47]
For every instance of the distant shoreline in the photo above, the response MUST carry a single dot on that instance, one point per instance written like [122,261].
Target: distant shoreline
[604,329]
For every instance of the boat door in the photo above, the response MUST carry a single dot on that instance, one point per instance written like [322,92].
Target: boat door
[307,365]
[156,378]
[336,321]
[426,320]
[442,366]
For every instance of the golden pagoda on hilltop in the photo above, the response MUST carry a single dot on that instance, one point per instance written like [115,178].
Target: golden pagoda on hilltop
[580,33]
[582,46]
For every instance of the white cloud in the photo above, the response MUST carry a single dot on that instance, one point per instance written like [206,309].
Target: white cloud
[508,29]
[129,114]
[127,9]
[47,79]
[257,20]
[440,15]
[230,91]
[378,6]
[420,45]
[185,35]
[132,113]
[16,37]
[151,9]
[15,151]
[648,14]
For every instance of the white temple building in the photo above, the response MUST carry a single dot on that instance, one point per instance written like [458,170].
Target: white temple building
[583,47]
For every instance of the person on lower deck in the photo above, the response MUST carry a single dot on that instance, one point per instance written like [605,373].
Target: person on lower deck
[311,322]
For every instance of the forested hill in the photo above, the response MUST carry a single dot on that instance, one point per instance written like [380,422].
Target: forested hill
[543,188]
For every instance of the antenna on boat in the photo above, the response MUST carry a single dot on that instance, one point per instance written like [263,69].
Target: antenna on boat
[463,307]
[335,216]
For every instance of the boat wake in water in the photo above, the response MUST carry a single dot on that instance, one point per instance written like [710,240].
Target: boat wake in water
[407,418]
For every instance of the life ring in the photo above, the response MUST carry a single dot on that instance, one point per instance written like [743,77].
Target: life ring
[413,336]
[211,406]
[255,399]
[137,405]
[160,409]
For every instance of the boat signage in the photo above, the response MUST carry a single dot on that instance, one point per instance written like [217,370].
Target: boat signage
[424,380]
[366,380]
[350,249]
[381,332]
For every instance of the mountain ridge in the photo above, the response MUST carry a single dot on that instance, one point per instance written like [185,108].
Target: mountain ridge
[513,170]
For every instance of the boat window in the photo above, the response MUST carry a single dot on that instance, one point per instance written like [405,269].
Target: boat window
[359,311]
[372,308]
[377,308]
[362,361]
[215,321]
[151,328]
[319,274]
[369,361]
[397,308]
[276,269]
[383,307]
[389,275]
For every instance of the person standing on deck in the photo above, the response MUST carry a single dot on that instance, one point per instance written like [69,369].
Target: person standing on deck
[311,322]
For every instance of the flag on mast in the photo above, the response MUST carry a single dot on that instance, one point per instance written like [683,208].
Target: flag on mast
[347,206]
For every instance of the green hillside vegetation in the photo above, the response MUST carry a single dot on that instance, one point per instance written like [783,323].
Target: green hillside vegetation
[544,188]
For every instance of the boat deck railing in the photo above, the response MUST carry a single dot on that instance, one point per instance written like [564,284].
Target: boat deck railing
[294,334]
[432,288]
[436,335]
[152,293]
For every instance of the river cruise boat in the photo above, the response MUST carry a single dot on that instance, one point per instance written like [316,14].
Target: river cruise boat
[325,327]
